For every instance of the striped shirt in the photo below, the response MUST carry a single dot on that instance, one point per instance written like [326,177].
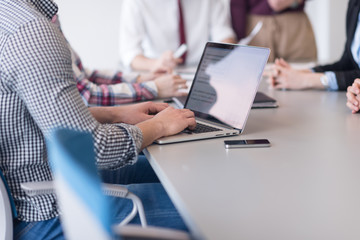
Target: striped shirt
[38,93]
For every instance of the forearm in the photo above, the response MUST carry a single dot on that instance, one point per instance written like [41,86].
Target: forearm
[312,81]
[116,94]
[103,114]
[140,62]
[151,130]
[116,114]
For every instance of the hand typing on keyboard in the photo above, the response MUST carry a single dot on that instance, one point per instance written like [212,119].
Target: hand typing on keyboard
[201,128]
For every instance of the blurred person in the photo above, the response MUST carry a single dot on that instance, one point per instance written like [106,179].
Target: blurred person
[106,88]
[337,76]
[286,29]
[151,31]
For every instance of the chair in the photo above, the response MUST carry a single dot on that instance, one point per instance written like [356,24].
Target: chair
[84,207]
[7,210]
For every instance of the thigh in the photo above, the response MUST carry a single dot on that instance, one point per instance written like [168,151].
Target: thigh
[296,41]
[49,229]
[159,210]
[265,37]
[140,172]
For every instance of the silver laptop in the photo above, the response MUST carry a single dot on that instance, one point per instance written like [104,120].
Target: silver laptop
[223,91]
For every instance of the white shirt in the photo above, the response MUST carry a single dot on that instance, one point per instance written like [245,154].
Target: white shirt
[151,27]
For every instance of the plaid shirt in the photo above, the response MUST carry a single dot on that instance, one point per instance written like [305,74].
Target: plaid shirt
[37,93]
[106,89]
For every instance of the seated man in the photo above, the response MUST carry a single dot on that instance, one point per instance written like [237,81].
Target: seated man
[151,31]
[108,89]
[336,76]
[100,88]
[38,93]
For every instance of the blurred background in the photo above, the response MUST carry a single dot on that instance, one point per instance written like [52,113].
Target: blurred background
[92,26]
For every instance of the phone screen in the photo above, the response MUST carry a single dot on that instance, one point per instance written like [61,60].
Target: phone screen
[247,143]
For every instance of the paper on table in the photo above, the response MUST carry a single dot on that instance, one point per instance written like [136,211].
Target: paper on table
[180,51]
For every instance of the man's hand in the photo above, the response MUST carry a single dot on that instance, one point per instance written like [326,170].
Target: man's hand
[136,113]
[169,86]
[175,120]
[147,77]
[353,96]
[166,63]
[167,122]
[283,76]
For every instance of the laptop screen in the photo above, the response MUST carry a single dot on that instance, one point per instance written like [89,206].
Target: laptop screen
[226,82]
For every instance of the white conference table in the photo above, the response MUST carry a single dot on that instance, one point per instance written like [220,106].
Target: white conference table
[305,186]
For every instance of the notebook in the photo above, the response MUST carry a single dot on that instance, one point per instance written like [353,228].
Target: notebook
[261,101]
[264,101]
[223,90]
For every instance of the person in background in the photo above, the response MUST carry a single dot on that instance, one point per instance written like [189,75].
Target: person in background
[38,93]
[104,88]
[337,76]
[100,88]
[151,31]
[286,29]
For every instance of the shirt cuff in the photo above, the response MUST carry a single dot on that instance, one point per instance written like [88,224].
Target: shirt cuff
[130,77]
[333,85]
[136,135]
[151,86]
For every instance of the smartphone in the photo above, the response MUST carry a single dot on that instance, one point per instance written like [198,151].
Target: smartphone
[180,51]
[249,143]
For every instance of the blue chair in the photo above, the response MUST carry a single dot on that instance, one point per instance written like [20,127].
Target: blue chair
[85,209]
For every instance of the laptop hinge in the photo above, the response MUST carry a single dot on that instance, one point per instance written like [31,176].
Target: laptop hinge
[223,125]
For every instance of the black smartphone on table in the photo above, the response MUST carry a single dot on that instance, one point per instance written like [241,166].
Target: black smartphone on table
[247,143]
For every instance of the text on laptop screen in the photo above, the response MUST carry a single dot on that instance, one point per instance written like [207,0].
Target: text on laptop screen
[226,82]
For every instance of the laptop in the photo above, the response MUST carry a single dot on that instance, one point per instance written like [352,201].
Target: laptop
[223,90]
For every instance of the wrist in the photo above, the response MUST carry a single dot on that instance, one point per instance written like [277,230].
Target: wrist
[114,115]
[151,129]
[324,80]
[313,81]
[319,82]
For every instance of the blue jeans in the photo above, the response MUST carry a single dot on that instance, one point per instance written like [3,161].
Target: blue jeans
[141,172]
[158,207]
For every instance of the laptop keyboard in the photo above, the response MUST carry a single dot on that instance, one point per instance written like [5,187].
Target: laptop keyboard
[202,128]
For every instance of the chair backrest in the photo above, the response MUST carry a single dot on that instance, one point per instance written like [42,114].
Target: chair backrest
[7,210]
[86,213]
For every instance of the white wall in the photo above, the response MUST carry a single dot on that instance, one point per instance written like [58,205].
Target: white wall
[328,20]
[91,26]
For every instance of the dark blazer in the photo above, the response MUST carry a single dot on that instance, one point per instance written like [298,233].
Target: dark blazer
[346,69]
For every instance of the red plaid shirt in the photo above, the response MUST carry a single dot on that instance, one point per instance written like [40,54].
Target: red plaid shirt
[100,89]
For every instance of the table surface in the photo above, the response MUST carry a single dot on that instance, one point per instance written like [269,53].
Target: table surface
[305,186]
